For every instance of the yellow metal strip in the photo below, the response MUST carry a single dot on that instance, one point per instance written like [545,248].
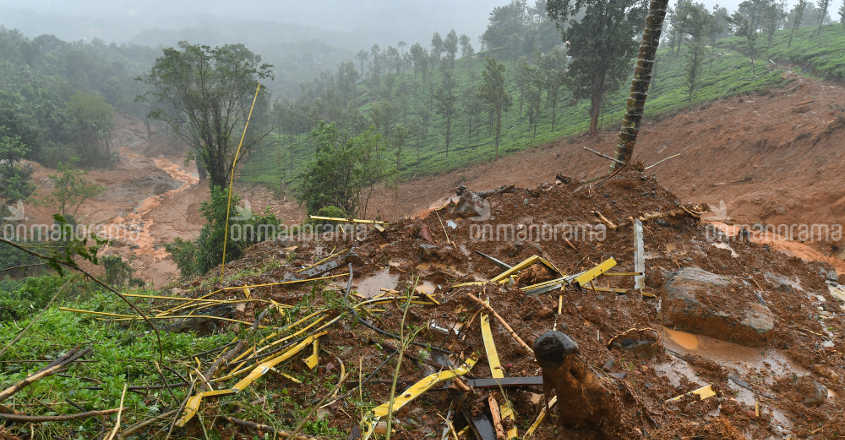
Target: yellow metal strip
[593,273]
[348,220]
[704,392]
[561,280]
[412,393]
[470,283]
[424,385]
[502,277]
[240,369]
[283,283]
[319,262]
[530,431]
[610,289]
[518,267]
[193,404]
[497,372]
[314,359]
[265,366]
[232,178]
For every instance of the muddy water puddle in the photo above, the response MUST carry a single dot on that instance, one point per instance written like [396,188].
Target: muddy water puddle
[375,283]
[739,357]
[747,362]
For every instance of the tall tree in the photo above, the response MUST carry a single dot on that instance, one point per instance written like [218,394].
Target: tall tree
[420,59]
[603,42]
[696,23]
[466,46]
[773,15]
[842,14]
[90,123]
[494,94]
[630,127]
[204,94]
[721,24]
[436,49]
[823,6]
[506,31]
[15,182]
[375,62]
[446,100]
[362,57]
[450,45]
[746,21]
[553,70]
[472,105]
[533,97]
[676,18]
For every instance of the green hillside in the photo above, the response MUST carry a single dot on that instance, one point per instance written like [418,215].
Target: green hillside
[725,72]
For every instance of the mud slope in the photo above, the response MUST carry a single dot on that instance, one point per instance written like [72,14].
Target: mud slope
[151,197]
[776,157]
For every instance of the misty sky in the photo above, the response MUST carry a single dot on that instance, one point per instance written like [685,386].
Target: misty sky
[383,21]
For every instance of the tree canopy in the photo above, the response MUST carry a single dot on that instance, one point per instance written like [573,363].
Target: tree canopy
[601,44]
[204,94]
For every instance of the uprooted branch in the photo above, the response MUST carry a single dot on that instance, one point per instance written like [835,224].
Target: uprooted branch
[53,368]
[504,323]
[59,418]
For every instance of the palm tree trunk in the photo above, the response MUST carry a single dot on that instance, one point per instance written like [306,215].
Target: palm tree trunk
[639,85]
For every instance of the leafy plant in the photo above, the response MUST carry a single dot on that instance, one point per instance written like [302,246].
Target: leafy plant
[71,189]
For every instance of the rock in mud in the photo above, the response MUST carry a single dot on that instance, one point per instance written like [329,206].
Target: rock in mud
[814,393]
[719,306]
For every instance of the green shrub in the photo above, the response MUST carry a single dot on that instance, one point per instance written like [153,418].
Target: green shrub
[21,298]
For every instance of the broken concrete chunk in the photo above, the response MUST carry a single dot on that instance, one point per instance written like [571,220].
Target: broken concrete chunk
[715,305]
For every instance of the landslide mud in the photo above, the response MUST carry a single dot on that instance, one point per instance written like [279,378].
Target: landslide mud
[761,391]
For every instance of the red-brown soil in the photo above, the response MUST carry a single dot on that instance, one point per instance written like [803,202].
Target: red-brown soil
[150,197]
[776,158]
[761,392]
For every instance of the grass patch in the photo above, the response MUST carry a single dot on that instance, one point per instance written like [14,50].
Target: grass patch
[126,353]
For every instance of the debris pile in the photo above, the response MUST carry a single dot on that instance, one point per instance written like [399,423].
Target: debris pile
[565,311]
